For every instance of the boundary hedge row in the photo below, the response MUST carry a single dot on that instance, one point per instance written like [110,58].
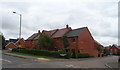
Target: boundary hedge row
[55,54]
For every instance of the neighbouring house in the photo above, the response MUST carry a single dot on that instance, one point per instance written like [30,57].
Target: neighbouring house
[20,43]
[11,40]
[32,41]
[114,49]
[10,45]
[99,47]
[15,43]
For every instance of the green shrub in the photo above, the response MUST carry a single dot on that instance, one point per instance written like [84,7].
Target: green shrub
[68,56]
[61,51]
[46,42]
[73,54]
[42,53]
[116,54]
[83,55]
[105,55]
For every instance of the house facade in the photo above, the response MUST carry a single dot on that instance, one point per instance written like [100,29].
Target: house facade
[57,35]
[32,41]
[15,44]
[20,43]
[114,49]
[82,41]
[10,45]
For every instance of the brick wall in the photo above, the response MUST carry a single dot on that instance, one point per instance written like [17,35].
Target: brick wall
[114,50]
[58,43]
[20,42]
[10,45]
[32,44]
[84,43]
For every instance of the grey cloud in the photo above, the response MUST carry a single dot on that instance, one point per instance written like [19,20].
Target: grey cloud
[21,6]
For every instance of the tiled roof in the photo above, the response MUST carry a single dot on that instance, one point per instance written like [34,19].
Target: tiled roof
[33,37]
[57,32]
[37,37]
[50,33]
[114,46]
[118,47]
[61,32]
[75,32]
[97,42]
[13,40]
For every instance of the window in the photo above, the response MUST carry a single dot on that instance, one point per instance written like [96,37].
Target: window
[73,40]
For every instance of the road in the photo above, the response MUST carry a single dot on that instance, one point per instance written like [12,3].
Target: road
[16,62]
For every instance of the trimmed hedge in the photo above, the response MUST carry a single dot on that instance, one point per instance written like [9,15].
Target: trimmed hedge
[55,54]
[105,54]
[116,54]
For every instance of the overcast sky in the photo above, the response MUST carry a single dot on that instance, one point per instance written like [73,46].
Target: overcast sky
[101,17]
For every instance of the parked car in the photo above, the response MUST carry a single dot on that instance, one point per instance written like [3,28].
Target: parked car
[119,59]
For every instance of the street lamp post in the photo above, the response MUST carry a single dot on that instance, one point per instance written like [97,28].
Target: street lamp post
[20,23]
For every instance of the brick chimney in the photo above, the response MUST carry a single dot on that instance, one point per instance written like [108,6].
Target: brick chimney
[38,31]
[67,26]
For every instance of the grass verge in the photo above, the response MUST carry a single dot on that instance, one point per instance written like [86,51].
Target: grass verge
[25,54]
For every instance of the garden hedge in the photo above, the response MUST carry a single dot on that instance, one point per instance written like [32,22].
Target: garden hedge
[55,54]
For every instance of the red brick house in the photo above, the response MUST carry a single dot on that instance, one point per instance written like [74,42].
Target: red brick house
[99,47]
[32,41]
[19,43]
[10,45]
[114,49]
[82,41]
[57,35]
[79,39]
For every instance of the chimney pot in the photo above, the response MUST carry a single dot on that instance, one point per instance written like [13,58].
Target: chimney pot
[67,26]
[38,31]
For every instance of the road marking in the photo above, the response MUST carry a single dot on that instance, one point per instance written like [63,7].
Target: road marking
[43,59]
[6,60]
[108,66]
[69,65]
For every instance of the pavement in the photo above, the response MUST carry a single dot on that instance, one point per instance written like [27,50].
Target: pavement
[20,56]
[113,65]
[20,61]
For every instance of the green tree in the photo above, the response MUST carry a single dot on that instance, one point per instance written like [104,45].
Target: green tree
[2,41]
[65,42]
[99,49]
[106,51]
[46,42]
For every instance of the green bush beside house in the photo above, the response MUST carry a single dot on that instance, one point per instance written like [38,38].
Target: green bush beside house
[46,42]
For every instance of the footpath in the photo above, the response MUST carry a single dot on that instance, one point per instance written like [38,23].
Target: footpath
[113,65]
